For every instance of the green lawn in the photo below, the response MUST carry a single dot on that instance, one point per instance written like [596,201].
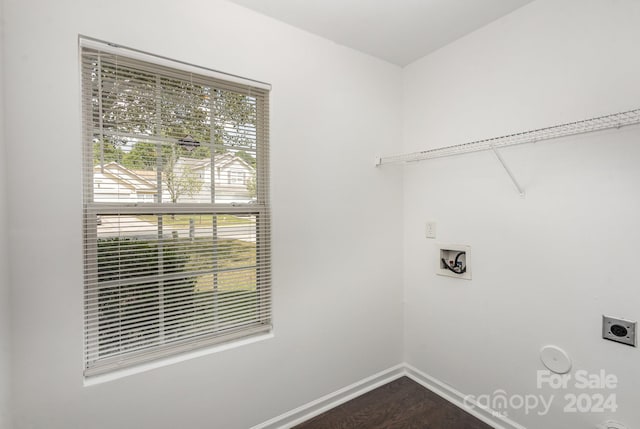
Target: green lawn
[234,254]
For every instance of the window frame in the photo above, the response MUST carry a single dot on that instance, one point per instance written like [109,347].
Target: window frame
[95,212]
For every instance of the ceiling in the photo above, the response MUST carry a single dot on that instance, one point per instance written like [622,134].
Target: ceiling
[398,31]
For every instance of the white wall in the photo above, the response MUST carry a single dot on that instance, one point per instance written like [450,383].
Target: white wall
[5,332]
[545,268]
[541,262]
[336,219]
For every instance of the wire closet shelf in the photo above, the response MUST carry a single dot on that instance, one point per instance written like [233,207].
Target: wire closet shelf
[616,120]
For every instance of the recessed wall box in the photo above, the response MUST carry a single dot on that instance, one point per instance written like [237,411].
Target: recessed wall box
[619,330]
[454,260]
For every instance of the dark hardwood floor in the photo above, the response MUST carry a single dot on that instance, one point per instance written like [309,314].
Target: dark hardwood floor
[401,404]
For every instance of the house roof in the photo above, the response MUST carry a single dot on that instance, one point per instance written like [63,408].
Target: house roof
[148,175]
[193,163]
[129,177]
[221,160]
[228,158]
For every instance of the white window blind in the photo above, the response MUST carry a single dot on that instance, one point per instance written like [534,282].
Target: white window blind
[176,207]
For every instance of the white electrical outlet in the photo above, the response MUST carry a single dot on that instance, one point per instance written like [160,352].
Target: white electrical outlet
[430,230]
[619,330]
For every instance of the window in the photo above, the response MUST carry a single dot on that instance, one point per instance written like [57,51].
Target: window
[173,260]
[237,177]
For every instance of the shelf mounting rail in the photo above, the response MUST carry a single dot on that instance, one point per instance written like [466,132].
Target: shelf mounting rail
[601,123]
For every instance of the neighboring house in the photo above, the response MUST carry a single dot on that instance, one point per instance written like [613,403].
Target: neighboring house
[116,183]
[232,177]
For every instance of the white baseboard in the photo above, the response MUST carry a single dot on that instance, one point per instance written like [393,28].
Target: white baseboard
[319,406]
[325,403]
[487,415]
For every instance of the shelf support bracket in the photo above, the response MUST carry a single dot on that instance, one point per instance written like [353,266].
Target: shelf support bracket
[508,170]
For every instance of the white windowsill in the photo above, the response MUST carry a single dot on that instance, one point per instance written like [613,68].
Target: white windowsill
[159,363]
